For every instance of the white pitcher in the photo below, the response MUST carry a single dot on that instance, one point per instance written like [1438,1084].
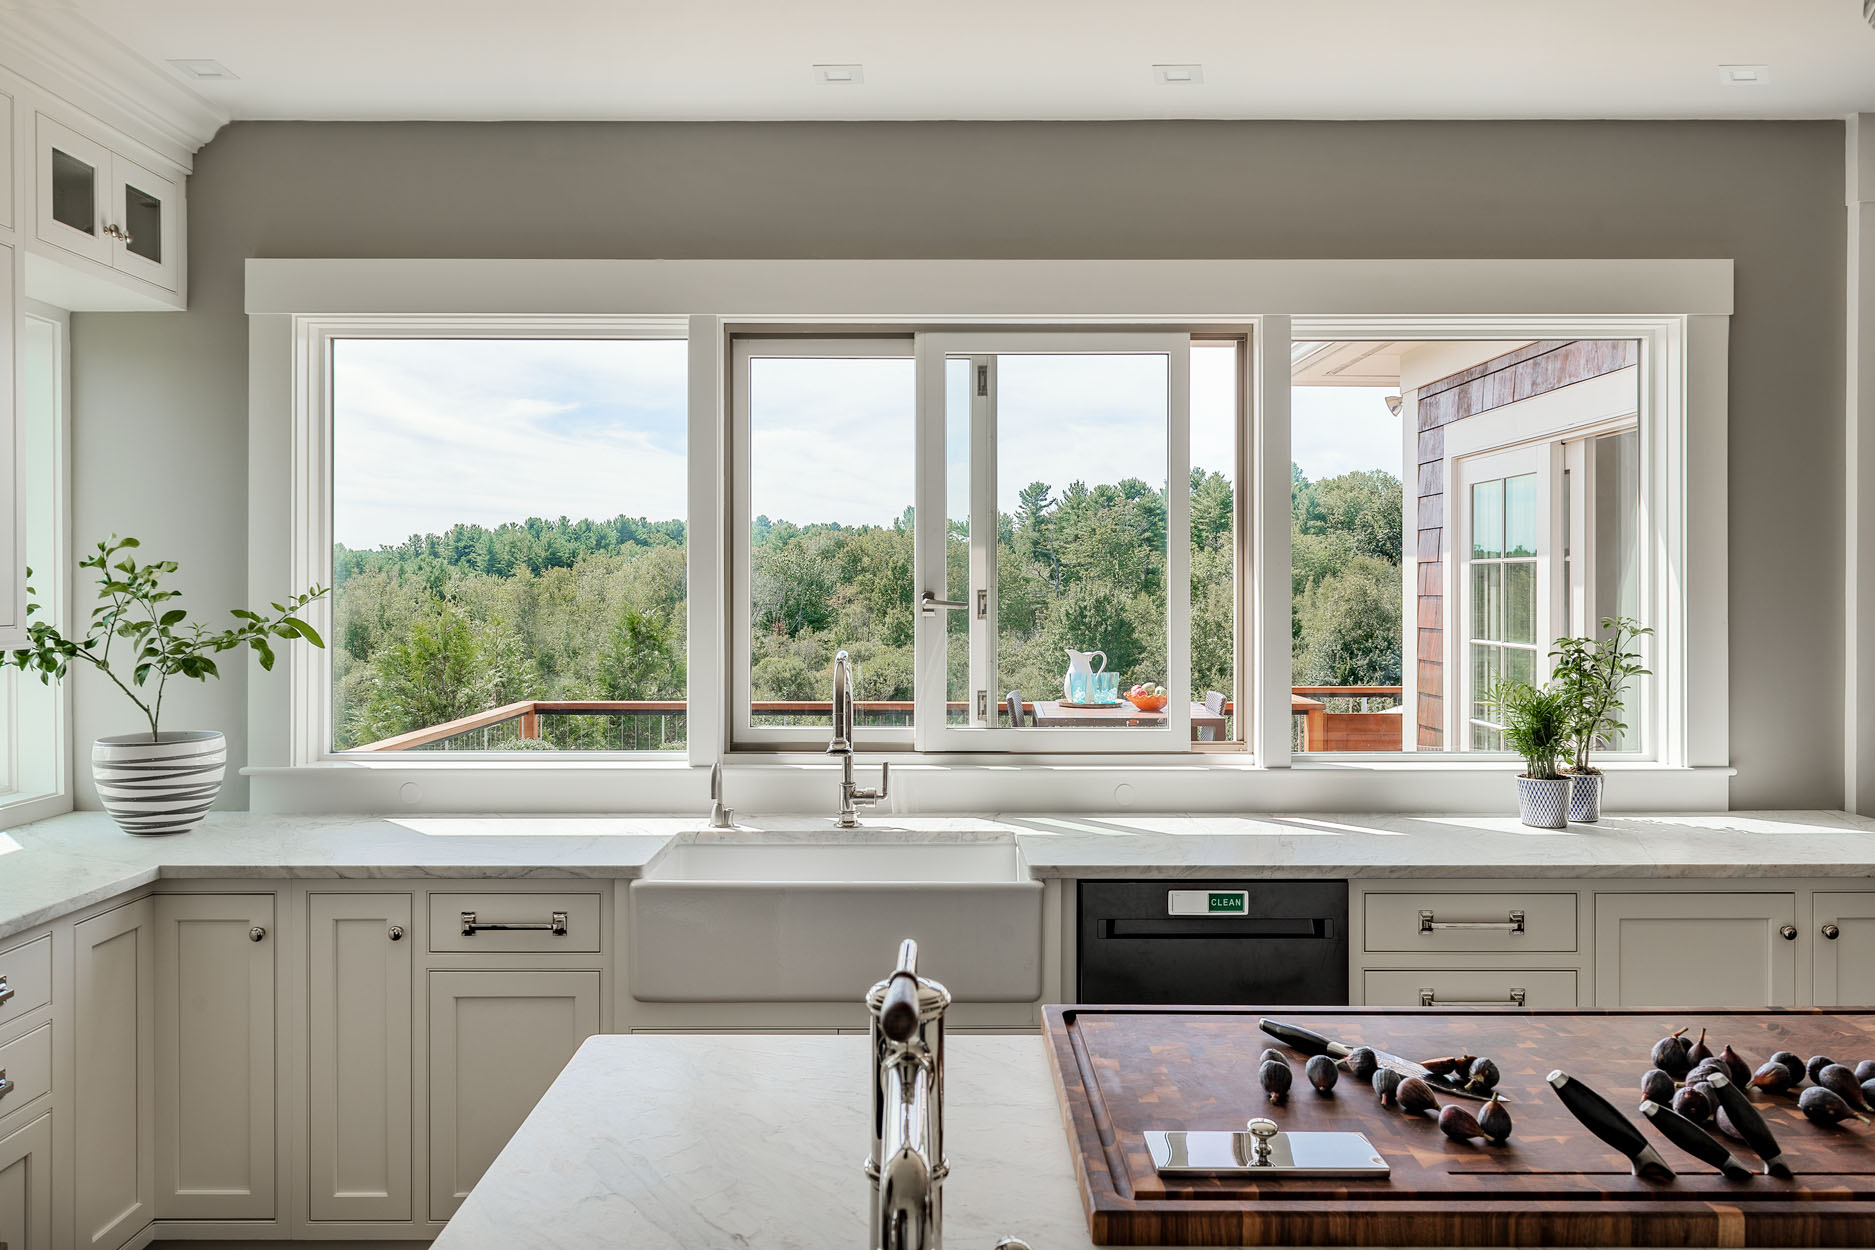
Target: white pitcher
[1081,664]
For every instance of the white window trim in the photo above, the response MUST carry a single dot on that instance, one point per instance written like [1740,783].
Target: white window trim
[1476,297]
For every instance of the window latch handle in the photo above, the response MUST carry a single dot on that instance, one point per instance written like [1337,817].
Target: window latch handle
[930,604]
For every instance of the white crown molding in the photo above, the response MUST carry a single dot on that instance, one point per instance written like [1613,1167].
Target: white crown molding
[52,45]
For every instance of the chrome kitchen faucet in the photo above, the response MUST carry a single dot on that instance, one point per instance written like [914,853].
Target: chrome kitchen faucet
[842,746]
[907,1165]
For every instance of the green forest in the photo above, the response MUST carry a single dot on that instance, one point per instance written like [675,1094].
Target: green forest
[447,625]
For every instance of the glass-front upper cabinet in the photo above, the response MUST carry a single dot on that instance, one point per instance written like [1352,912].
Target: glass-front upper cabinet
[104,207]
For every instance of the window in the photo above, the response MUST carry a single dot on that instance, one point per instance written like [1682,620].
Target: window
[508,544]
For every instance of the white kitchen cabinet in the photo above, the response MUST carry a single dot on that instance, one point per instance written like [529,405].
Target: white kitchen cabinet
[26,1187]
[1469,987]
[215,1056]
[1695,950]
[497,1040]
[1844,946]
[12,569]
[359,1046]
[113,1112]
[7,113]
[101,206]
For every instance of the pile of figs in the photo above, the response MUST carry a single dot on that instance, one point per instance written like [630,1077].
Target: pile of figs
[1408,1094]
[1679,1078]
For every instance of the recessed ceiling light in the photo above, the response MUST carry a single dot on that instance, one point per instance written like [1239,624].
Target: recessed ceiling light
[1744,75]
[1178,75]
[839,75]
[204,69]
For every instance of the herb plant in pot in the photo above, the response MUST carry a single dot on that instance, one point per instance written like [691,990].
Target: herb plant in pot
[1536,726]
[1596,672]
[162,781]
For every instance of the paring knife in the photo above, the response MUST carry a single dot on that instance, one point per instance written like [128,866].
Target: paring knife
[1309,1042]
[1599,1117]
[1694,1140]
[1751,1127]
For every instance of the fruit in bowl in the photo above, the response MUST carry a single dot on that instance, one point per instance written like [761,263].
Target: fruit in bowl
[1147,697]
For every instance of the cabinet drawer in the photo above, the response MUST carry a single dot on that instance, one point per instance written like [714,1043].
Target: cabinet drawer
[553,922]
[1460,987]
[25,979]
[1465,923]
[27,1062]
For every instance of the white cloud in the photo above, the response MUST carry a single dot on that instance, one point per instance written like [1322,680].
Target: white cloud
[1338,429]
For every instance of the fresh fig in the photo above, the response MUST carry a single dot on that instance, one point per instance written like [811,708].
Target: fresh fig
[1693,1103]
[1362,1063]
[1772,1077]
[1841,1082]
[1447,1065]
[1272,1055]
[1494,1119]
[1736,1067]
[1824,1106]
[1711,1063]
[1817,1064]
[1657,1086]
[1482,1076]
[1724,1121]
[1790,1060]
[1868,1092]
[1387,1084]
[1671,1056]
[1322,1073]
[1276,1079]
[1698,1051]
[1459,1124]
[1865,1071]
[1416,1097]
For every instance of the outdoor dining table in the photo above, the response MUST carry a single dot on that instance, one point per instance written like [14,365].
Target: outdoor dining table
[1055,712]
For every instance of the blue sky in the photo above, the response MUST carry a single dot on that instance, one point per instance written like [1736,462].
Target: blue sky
[429,433]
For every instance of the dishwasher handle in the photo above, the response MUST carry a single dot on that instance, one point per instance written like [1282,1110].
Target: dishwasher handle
[1297,928]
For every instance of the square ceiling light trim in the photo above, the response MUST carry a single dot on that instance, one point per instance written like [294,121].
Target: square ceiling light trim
[840,75]
[202,69]
[1178,75]
[1745,75]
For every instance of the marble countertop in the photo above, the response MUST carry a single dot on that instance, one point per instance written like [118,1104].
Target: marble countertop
[699,1142]
[57,866]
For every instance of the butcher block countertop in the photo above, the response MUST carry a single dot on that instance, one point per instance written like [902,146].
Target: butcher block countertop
[1121,1071]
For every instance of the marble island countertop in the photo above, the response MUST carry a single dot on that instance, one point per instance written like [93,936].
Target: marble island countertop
[59,865]
[699,1142]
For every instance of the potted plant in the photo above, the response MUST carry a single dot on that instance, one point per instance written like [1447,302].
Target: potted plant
[162,781]
[1536,726]
[1596,673]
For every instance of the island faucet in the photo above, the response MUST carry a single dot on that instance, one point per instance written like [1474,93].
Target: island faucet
[842,746]
[907,1165]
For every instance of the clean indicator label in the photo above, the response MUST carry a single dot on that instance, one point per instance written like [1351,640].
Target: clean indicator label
[1207,903]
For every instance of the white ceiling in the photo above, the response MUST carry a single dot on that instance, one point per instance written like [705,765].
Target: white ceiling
[753,59]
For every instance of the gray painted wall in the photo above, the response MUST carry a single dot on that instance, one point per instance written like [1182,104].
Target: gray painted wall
[160,402]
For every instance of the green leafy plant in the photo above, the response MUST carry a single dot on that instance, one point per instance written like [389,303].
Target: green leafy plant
[1536,722]
[1596,673]
[157,642]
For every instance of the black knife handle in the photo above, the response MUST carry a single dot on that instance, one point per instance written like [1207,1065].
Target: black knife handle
[1694,1140]
[1308,1041]
[1750,1126]
[1599,1116]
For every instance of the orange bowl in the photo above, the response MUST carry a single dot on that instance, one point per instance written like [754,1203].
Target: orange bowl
[1149,702]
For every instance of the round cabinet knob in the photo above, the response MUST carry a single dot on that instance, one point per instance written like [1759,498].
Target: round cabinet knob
[256,934]
[397,933]
[1831,932]
[1788,933]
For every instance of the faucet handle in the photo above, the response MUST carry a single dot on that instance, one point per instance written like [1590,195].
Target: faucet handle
[1012,1243]
[873,796]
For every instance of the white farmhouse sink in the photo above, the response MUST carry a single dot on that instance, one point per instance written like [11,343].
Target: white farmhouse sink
[800,921]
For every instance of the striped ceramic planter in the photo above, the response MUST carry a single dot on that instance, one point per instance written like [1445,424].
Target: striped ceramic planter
[1542,802]
[1585,798]
[159,785]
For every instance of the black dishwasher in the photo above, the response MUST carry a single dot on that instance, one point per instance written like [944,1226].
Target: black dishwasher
[1240,942]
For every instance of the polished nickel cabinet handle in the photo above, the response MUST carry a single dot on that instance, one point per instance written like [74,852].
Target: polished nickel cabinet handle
[397,933]
[1429,924]
[1788,932]
[256,934]
[6,1086]
[1830,931]
[6,991]
[471,926]
[1516,997]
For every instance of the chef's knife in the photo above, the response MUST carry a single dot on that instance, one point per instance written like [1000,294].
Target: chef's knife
[1599,1116]
[1309,1042]
[1694,1140]
[1751,1126]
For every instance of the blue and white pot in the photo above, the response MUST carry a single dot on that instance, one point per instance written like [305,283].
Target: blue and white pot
[1543,802]
[1585,798]
[161,784]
